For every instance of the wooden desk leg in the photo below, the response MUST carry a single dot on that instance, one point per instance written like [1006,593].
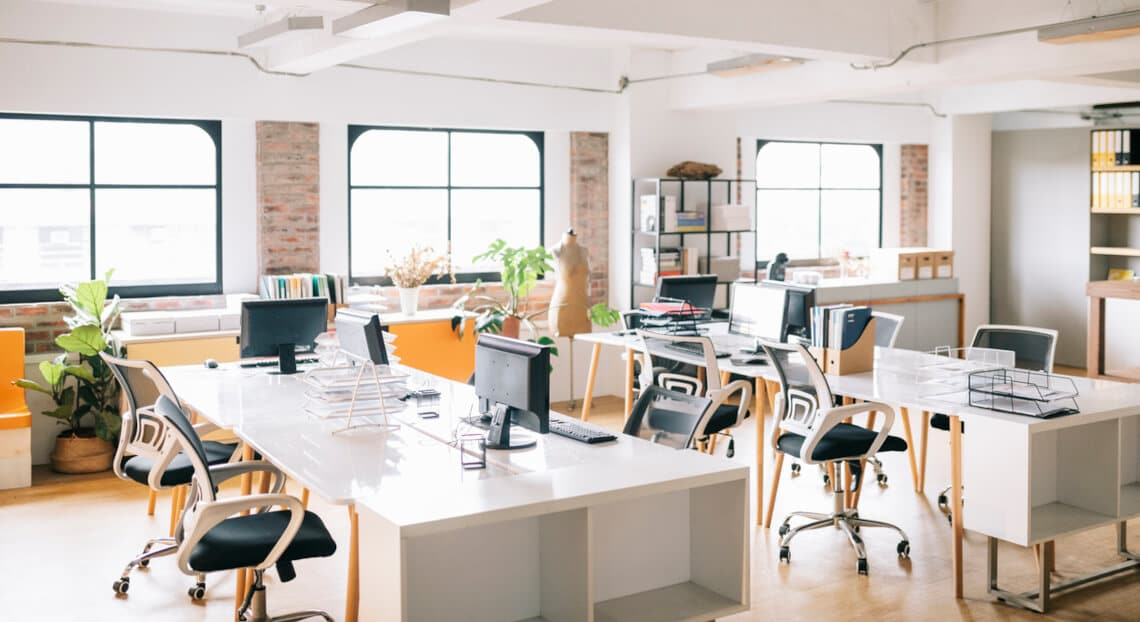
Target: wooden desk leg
[246,487]
[922,451]
[956,499]
[591,375]
[775,487]
[305,498]
[150,501]
[352,600]
[910,448]
[758,412]
[629,358]
[773,391]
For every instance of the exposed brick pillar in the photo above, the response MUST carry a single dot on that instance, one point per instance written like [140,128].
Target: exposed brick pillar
[590,204]
[288,197]
[912,196]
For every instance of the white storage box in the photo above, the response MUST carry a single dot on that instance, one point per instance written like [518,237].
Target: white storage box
[726,269]
[196,321]
[731,217]
[143,323]
[229,319]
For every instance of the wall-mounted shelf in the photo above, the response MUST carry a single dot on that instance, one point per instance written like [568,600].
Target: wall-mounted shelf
[1131,211]
[1116,251]
[1124,168]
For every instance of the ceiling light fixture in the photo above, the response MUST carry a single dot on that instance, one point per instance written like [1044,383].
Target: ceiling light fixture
[751,63]
[1103,28]
[281,30]
[380,20]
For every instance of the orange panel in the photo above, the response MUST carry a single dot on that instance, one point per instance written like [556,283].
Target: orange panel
[12,368]
[433,347]
[175,351]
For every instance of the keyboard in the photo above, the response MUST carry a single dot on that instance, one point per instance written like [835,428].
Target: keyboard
[301,360]
[571,428]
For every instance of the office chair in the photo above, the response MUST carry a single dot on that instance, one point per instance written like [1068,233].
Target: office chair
[1033,349]
[811,429]
[724,416]
[219,539]
[887,328]
[669,418]
[148,455]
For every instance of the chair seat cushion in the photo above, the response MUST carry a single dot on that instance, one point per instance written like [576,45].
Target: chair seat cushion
[723,418]
[843,441]
[244,541]
[180,470]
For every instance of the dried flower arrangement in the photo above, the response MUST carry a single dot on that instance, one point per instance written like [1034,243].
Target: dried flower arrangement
[416,267]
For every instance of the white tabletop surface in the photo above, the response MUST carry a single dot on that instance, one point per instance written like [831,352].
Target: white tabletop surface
[412,476]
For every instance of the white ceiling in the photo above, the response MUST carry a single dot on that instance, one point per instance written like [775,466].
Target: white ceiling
[484,37]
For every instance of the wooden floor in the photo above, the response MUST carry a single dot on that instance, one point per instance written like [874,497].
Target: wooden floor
[63,541]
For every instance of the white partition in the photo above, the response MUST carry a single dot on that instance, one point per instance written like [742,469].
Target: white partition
[1129,466]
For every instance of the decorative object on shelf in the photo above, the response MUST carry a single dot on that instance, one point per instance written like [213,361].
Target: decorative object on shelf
[86,389]
[1120,274]
[413,270]
[693,170]
[777,268]
[521,268]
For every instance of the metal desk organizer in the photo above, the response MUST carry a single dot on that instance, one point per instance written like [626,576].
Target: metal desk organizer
[1022,392]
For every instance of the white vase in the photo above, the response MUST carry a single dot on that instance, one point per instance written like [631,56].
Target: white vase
[409,300]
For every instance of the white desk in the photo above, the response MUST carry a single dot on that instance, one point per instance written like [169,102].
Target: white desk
[563,531]
[1031,480]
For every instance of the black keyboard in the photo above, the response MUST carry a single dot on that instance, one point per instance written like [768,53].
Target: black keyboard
[301,360]
[578,431]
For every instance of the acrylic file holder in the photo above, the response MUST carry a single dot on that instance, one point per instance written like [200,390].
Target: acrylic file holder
[362,394]
[1022,392]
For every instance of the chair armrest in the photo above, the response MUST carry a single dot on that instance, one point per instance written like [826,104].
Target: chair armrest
[205,428]
[223,472]
[831,417]
[720,396]
[208,516]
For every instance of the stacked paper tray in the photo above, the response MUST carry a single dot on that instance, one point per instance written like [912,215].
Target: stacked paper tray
[331,391]
[943,373]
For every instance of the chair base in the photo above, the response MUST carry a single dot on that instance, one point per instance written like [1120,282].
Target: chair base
[944,503]
[253,608]
[846,519]
[169,546]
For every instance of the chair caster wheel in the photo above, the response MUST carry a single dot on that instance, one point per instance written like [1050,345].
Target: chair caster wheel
[861,566]
[904,550]
[826,479]
[197,592]
[795,469]
[784,529]
[144,563]
[943,501]
[950,518]
[785,555]
[121,586]
[882,479]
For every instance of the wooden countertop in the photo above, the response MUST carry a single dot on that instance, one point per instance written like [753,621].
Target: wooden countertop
[1114,289]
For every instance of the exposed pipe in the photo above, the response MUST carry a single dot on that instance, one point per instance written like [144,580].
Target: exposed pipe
[988,35]
[929,107]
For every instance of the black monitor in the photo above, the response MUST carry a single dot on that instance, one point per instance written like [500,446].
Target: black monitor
[281,327]
[797,309]
[512,381]
[698,290]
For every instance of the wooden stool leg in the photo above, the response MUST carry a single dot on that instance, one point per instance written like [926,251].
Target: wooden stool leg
[775,487]
[150,501]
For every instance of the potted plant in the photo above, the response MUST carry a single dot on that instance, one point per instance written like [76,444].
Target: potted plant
[411,271]
[87,391]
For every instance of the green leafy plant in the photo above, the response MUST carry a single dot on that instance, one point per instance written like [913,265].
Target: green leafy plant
[89,388]
[604,315]
[521,268]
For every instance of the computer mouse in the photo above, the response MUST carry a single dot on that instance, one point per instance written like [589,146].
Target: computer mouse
[211,363]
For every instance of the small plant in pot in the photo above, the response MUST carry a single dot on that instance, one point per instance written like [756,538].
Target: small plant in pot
[85,392]
[412,270]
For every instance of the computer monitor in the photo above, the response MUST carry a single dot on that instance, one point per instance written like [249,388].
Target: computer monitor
[797,309]
[512,381]
[360,334]
[758,311]
[698,290]
[281,327]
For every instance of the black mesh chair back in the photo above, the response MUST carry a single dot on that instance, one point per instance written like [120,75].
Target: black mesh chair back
[180,428]
[803,387]
[668,418]
[142,433]
[1033,348]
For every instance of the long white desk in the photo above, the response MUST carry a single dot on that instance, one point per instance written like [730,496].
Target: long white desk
[564,531]
[1031,480]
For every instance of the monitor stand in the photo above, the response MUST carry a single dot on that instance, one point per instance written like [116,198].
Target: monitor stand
[286,358]
[499,435]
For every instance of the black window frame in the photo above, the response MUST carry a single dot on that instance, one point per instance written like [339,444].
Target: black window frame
[212,127]
[878,147]
[539,138]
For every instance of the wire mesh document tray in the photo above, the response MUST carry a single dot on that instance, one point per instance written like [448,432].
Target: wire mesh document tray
[1022,392]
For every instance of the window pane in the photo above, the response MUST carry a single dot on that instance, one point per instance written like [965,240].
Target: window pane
[395,220]
[156,236]
[154,153]
[399,158]
[44,152]
[788,222]
[850,221]
[850,166]
[44,238]
[479,217]
[788,165]
[494,160]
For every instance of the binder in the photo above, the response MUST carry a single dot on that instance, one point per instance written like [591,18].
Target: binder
[1135,189]
[1126,149]
[850,325]
[1094,200]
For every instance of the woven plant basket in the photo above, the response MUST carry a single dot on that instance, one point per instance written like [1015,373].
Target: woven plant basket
[81,454]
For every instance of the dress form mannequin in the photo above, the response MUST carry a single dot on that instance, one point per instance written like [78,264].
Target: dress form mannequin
[569,314]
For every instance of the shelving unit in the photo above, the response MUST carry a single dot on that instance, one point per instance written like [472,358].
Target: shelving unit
[690,196]
[1114,233]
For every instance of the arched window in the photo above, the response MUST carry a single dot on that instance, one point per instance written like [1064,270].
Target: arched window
[817,200]
[450,189]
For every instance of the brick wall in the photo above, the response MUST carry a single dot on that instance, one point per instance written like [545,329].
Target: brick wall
[288,197]
[590,205]
[913,195]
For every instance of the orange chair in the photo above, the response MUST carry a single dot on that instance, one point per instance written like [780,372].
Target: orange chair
[15,419]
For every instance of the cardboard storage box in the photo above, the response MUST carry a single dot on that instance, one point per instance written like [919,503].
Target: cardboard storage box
[731,217]
[906,264]
[925,264]
[944,264]
[726,269]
